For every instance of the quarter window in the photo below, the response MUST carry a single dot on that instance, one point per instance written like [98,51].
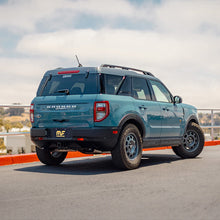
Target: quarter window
[110,83]
[161,92]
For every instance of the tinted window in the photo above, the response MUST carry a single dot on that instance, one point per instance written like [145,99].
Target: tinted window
[42,85]
[126,87]
[140,89]
[110,83]
[160,91]
[69,84]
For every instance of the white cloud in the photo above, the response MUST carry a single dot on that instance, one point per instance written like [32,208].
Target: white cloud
[25,67]
[26,14]
[20,78]
[188,16]
[182,62]
[125,46]
[186,63]
[104,8]
[169,16]
[182,47]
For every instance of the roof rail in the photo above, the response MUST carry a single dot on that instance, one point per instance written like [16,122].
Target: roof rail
[127,68]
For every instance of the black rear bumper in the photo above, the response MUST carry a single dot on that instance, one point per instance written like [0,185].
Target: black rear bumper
[104,138]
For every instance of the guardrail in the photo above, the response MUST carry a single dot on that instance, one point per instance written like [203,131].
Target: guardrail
[212,125]
[14,134]
[14,106]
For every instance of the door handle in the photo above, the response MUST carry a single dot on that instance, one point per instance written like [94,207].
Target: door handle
[165,109]
[142,107]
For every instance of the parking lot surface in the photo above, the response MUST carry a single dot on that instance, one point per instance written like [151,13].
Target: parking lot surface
[164,187]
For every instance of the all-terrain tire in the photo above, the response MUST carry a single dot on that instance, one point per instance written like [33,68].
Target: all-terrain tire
[50,158]
[128,151]
[193,142]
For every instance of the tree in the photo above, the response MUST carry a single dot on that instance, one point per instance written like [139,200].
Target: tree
[7,125]
[2,145]
[14,111]
[27,123]
[17,125]
[1,122]
[2,111]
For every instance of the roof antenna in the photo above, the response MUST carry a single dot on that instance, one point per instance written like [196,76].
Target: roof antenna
[80,65]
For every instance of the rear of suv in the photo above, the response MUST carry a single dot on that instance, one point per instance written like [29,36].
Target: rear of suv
[110,108]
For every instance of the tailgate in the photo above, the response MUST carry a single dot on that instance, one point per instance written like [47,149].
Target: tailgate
[64,111]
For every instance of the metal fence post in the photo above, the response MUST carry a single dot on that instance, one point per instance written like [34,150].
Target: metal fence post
[212,124]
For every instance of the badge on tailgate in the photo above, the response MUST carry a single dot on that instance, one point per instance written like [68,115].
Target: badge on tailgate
[60,133]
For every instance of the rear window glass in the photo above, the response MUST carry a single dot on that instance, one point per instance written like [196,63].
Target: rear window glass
[110,83]
[69,84]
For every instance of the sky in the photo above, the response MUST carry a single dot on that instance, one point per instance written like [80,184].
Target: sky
[178,41]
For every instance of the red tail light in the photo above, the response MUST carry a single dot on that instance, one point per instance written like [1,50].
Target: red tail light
[68,72]
[32,113]
[101,110]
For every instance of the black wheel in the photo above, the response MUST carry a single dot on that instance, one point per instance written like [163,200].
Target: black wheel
[128,151]
[192,144]
[50,157]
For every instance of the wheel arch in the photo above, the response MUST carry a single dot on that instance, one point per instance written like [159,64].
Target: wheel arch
[132,119]
[191,119]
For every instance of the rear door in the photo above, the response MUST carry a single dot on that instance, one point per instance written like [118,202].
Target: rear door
[149,110]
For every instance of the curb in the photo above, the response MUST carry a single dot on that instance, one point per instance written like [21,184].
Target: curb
[28,158]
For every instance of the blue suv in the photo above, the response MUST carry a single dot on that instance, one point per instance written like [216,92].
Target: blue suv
[110,108]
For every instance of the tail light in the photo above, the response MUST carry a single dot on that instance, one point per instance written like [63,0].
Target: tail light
[101,110]
[32,113]
[68,72]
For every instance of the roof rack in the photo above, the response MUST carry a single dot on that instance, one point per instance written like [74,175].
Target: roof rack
[127,68]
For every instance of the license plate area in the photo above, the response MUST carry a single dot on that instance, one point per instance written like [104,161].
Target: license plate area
[62,133]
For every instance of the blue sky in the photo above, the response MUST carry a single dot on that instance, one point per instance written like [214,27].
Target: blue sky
[178,41]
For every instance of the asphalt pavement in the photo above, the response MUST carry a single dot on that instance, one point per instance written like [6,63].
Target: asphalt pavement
[164,187]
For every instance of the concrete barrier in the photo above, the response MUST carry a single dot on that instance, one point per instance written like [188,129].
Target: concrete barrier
[28,158]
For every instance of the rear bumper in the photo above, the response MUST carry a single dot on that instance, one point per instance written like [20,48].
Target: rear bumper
[103,137]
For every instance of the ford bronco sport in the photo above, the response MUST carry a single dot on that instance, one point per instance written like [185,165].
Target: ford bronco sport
[110,108]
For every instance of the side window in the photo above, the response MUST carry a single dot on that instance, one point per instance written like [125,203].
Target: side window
[110,83]
[126,87]
[140,89]
[42,85]
[161,92]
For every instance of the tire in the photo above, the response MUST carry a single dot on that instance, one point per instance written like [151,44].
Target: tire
[50,158]
[192,144]
[128,151]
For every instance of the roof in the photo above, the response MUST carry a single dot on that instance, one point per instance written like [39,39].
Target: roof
[104,68]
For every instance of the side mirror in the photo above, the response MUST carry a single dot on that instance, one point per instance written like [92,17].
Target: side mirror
[177,99]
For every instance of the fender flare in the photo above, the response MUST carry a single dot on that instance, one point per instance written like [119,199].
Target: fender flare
[192,118]
[136,120]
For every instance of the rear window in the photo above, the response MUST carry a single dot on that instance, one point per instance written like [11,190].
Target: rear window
[69,84]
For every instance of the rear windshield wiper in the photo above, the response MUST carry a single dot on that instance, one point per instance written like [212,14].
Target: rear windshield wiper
[63,91]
